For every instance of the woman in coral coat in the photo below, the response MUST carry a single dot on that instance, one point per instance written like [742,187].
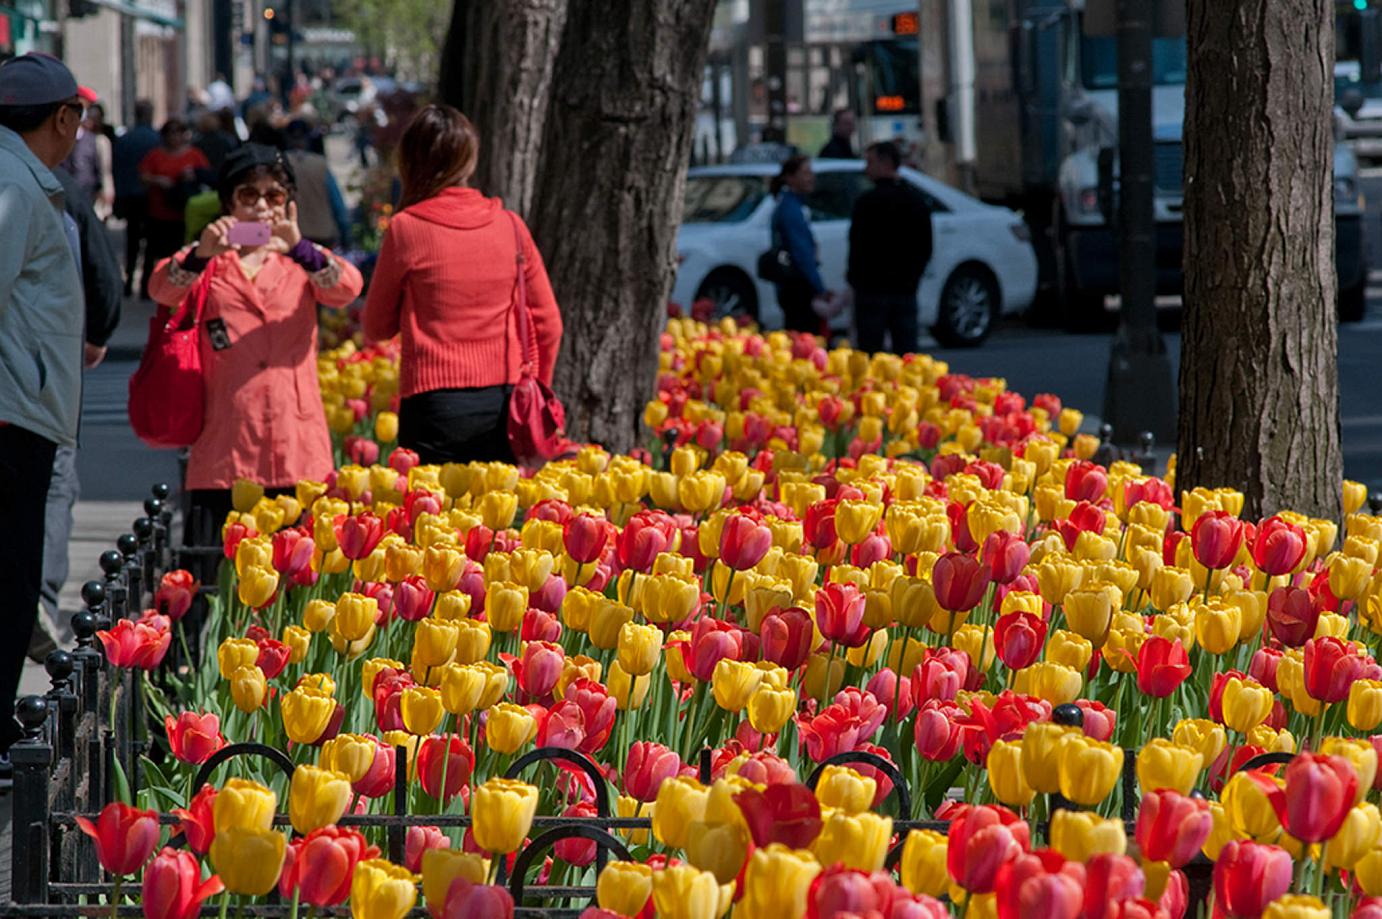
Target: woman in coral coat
[264,415]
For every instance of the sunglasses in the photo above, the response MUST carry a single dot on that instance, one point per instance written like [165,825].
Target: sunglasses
[77,107]
[249,197]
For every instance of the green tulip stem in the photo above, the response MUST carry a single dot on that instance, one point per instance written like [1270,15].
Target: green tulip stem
[445,762]
[897,673]
[115,896]
[829,671]
[729,587]
[225,903]
[297,895]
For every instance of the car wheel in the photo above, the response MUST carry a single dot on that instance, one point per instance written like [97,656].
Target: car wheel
[732,294]
[1353,303]
[968,308]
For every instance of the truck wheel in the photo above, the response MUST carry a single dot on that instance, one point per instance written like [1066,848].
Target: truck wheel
[1353,302]
[968,308]
[731,292]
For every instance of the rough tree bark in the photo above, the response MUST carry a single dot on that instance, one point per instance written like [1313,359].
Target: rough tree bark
[1259,385]
[609,197]
[497,68]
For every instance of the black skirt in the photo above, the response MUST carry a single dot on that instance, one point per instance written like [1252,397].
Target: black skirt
[457,425]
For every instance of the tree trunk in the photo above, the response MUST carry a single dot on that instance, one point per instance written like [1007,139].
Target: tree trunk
[609,196]
[1259,383]
[497,68]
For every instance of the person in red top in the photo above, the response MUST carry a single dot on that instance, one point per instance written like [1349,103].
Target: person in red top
[172,171]
[447,279]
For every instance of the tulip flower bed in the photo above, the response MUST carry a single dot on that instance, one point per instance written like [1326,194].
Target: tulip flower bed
[851,636]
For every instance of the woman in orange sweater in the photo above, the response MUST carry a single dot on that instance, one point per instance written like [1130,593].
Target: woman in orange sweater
[447,278]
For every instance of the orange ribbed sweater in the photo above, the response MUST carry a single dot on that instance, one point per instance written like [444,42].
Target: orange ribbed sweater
[446,280]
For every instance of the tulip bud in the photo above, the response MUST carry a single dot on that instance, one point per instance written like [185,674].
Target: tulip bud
[502,813]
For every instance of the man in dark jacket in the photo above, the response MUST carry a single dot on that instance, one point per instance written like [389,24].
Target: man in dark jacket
[889,246]
[841,143]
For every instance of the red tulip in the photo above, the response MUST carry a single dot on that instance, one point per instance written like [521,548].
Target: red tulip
[883,686]
[453,755]
[647,766]
[418,841]
[1109,880]
[273,657]
[1153,491]
[322,863]
[1018,639]
[125,836]
[839,890]
[959,582]
[1099,720]
[1085,518]
[1005,555]
[563,726]
[233,534]
[361,450]
[465,900]
[1085,481]
[598,709]
[935,731]
[787,636]
[840,614]
[140,643]
[1162,665]
[1331,667]
[1320,791]
[647,534]
[584,537]
[712,640]
[1039,884]
[173,887]
[193,737]
[1368,908]
[540,667]
[412,599]
[1139,908]
[1248,876]
[378,781]
[981,840]
[575,850]
[1171,826]
[818,524]
[785,813]
[874,548]
[1278,546]
[176,591]
[478,539]
[1263,666]
[402,459]
[1217,683]
[744,541]
[195,821]
[1216,538]
[1292,616]
[357,535]
[293,550]
[1175,897]
[942,673]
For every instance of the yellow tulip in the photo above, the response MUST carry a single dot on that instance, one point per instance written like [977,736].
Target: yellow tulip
[1356,838]
[380,890]
[441,867]
[1247,808]
[1089,612]
[1041,745]
[509,727]
[1163,764]
[248,689]
[733,682]
[1296,906]
[639,648]
[1202,735]
[1088,769]
[351,754]
[306,713]
[243,804]
[1080,835]
[434,641]
[923,863]
[685,892]
[842,788]
[1005,774]
[1246,704]
[248,861]
[770,709]
[777,881]
[355,615]
[624,887]
[680,801]
[1365,705]
[317,797]
[856,840]
[1361,754]
[502,812]
[452,606]
[505,604]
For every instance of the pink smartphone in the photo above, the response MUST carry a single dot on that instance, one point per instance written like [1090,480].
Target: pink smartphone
[248,233]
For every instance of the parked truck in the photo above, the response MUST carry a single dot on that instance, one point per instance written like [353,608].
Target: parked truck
[1046,110]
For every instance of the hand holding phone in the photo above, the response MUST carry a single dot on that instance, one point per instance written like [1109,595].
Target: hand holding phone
[248,233]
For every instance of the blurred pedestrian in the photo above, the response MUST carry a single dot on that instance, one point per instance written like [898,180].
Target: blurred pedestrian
[90,160]
[170,173]
[322,212]
[447,278]
[41,318]
[889,246]
[131,195]
[799,283]
[219,95]
[264,417]
[841,143]
[101,289]
[216,137]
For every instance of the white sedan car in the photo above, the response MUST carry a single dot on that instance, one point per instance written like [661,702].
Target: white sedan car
[982,263]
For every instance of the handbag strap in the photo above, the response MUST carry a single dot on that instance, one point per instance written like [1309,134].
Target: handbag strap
[194,301]
[524,320]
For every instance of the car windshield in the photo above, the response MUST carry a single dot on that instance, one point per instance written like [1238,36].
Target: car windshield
[722,198]
[1099,62]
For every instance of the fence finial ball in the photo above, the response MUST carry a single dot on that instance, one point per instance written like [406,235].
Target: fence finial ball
[1068,714]
[31,711]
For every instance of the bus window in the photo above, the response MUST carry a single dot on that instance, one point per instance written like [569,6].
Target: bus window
[892,72]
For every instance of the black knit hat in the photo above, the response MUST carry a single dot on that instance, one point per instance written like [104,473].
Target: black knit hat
[246,159]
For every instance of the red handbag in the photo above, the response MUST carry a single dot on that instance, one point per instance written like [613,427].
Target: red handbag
[537,418]
[168,391]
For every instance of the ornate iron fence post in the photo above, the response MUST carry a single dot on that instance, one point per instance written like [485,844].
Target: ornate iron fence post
[128,544]
[32,758]
[113,567]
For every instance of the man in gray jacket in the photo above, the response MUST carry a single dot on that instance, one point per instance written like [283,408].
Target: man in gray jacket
[41,318]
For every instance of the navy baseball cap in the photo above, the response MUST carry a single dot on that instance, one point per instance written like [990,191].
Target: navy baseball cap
[35,79]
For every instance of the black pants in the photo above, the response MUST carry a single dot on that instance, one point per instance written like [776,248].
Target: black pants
[134,211]
[26,469]
[895,314]
[165,238]
[797,316]
[457,425]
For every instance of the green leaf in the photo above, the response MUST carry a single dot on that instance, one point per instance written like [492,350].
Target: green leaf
[937,787]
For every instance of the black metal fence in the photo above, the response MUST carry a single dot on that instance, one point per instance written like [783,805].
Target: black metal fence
[73,753]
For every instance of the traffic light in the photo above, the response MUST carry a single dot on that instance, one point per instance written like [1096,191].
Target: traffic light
[1360,5]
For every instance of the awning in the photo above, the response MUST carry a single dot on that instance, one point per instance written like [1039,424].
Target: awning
[141,12]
